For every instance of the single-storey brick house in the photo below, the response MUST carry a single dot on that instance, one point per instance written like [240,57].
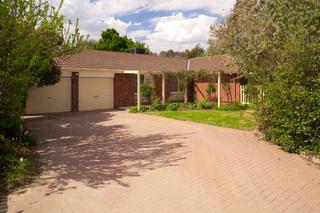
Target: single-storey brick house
[92,80]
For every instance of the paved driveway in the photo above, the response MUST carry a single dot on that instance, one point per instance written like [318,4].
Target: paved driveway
[121,162]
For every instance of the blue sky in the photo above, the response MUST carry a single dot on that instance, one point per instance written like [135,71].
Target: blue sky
[161,24]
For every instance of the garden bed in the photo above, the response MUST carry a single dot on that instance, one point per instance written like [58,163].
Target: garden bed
[243,120]
[233,115]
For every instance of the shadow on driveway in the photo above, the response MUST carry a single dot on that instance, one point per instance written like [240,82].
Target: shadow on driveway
[91,148]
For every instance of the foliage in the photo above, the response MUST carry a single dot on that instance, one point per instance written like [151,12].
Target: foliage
[133,109]
[196,51]
[157,105]
[210,89]
[238,120]
[146,91]
[213,44]
[32,34]
[277,45]
[111,40]
[205,105]
[173,107]
[144,108]
[16,166]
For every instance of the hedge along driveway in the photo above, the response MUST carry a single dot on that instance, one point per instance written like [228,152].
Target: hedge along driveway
[238,119]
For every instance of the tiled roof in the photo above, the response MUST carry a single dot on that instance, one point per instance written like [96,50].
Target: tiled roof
[97,59]
[218,62]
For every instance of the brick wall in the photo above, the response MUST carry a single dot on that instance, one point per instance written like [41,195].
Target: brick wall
[171,85]
[228,93]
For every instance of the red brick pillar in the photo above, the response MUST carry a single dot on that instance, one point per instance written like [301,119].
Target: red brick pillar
[75,92]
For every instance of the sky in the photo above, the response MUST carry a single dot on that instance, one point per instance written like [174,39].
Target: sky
[161,24]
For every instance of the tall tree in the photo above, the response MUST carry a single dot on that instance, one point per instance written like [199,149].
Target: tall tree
[32,33]
[197,51]
[111,40]
[277,46]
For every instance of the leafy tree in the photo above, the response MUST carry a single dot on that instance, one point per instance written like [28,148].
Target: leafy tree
[111,40]
[172,53]
[277,45]
[31,34]
[197,51]
[213,43]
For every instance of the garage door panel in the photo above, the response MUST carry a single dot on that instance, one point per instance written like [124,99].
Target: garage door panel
[47,99]
[95,93]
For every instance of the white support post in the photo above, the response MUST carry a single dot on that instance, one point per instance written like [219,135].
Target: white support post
[219,89]
[138,91]
[163,89]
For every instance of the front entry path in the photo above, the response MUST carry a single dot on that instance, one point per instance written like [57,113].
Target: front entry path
[121,162]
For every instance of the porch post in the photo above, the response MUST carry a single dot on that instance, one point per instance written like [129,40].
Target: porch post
[163,89]
[138,90]
[219,89]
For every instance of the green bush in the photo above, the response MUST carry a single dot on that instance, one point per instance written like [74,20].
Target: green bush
[157,105]
[210,89]
[282,68]
[16,166]
[144,108]
[146,91]
[205,105]
[133,109]
[173,107]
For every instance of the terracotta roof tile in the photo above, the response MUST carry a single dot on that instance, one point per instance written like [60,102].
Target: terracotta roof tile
[121,61]
[216,63]
[97,59]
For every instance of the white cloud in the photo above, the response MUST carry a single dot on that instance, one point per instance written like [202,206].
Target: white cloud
[96,16]
[218,7]
[175,31]
[138,34]
[178,32]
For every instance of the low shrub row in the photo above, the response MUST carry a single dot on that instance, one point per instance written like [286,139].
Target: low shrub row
[200,105]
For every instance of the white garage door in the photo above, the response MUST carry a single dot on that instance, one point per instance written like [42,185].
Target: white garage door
[56,98]
[95,93]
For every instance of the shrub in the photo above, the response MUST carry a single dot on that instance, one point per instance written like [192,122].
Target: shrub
[286,92]
[144,108]
[15,164]
[133,109]
[157,105]
[173,106]
[210,89]
[146,91]
[204,105]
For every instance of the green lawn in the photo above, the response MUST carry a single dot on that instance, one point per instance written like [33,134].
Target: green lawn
[238,120]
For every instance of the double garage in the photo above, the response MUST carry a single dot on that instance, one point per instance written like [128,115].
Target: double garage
[80,91]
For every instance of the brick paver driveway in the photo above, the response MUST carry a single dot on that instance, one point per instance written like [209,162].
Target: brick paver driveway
[121,162]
